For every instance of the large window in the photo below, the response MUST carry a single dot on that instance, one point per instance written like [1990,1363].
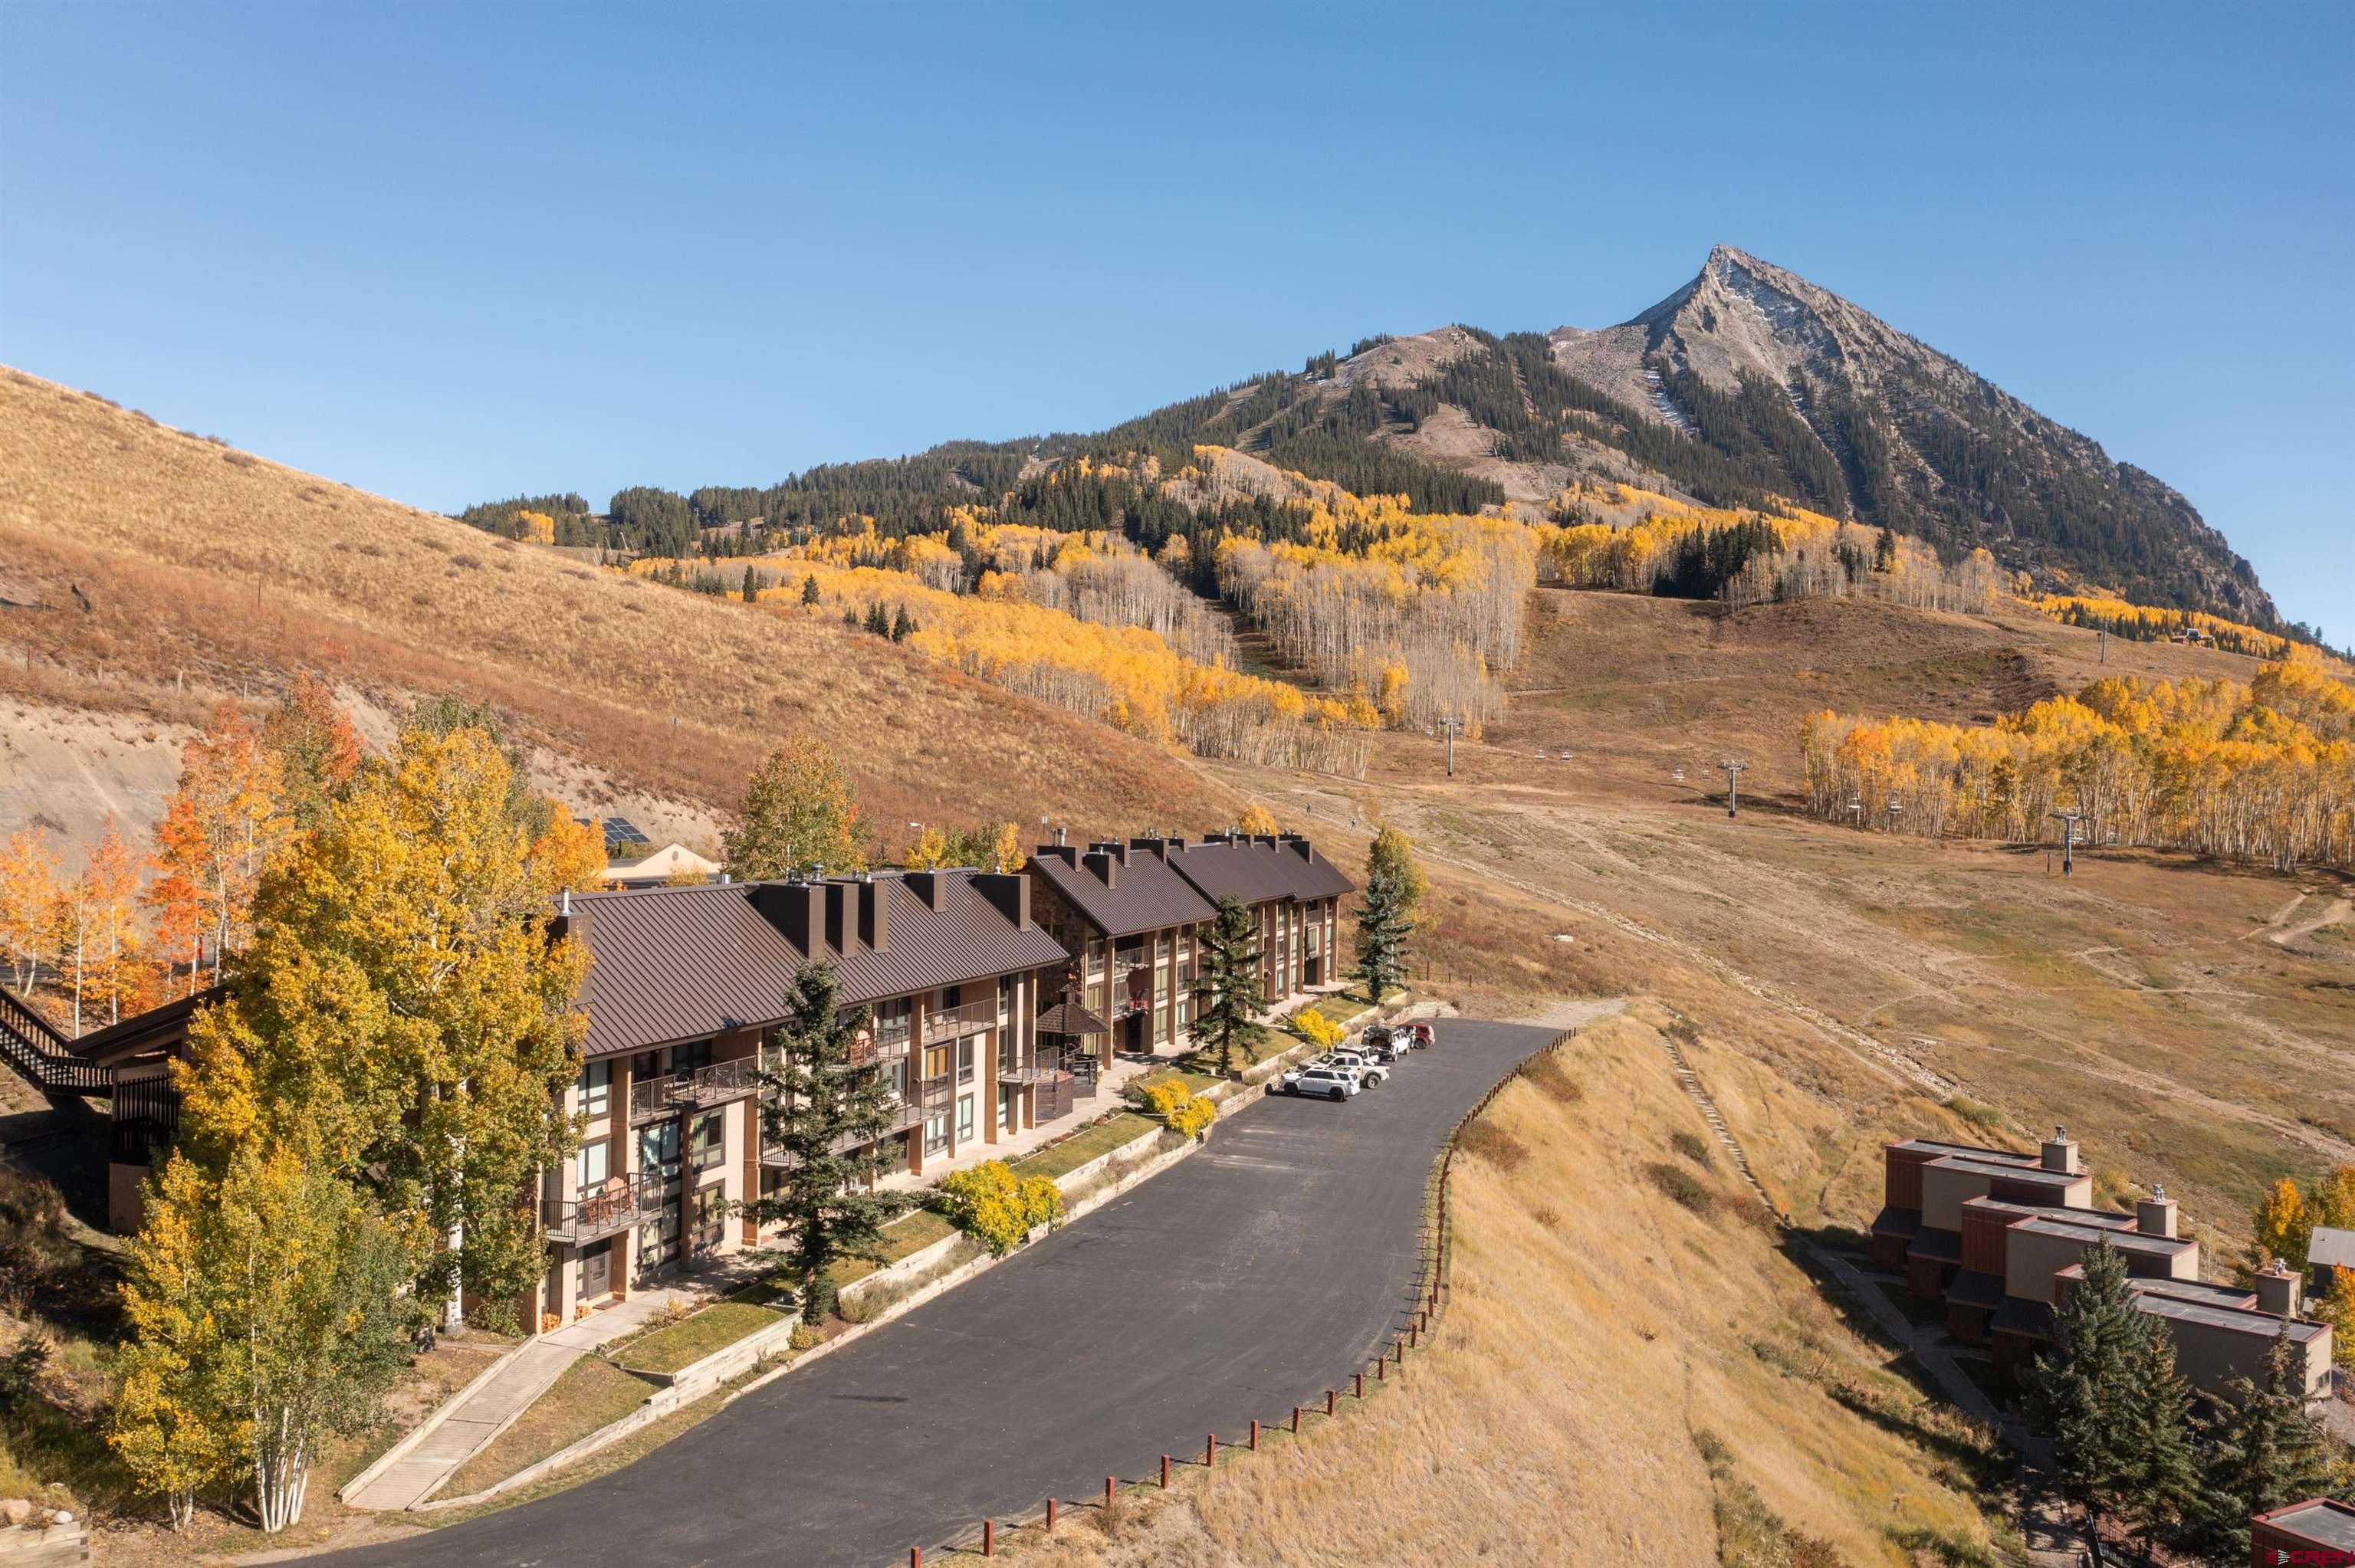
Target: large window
[688,1058]
[709,1142]
[596,1162]
[597,1089]
[965,1060]
[964,1118]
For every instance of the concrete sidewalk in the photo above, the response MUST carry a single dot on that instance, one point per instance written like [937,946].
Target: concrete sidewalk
[464,1427]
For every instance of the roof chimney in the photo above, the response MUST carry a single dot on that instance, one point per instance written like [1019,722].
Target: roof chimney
[1267,838]
[931,886]
[2154,1216]
[1159,848]
[2060,1153]
[841,915]
[1008,894]
[1298,844]
[796,908]
[2276,1290]
[1059,837]
[1069,854]
[1107,869]
[875,913]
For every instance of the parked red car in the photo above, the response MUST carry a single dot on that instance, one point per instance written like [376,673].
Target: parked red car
[1425,1035]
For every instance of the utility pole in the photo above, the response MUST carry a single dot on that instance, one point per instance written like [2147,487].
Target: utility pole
[2068,821]
[1452,725]
[1733,785]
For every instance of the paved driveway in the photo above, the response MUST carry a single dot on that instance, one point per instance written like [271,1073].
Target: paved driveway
[1245,1280]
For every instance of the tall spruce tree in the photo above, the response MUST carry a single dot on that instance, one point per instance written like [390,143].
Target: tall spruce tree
[752,589]
[1227,994]
[2267,1452]
[2078,1387]
[2158,1481]
[1383,927]
[809,589]
[824,1109]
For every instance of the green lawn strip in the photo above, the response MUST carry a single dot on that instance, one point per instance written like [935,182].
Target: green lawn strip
[902,1238]
[697,1335]
[1076,1150]
[592,1393]
[1196,1082]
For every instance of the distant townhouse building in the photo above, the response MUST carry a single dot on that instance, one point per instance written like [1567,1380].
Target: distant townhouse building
[685,988]
[1135,916]
[1295,897]
[2001,1238]
[2319,1530]
[1132,922]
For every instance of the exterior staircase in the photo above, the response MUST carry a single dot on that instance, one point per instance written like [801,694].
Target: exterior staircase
[44,1057]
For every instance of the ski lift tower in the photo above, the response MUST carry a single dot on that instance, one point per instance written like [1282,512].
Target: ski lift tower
[1733,785]
[2068,821]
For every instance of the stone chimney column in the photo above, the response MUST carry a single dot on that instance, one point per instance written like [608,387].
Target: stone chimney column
[2154,1216]
[2276,1290]
[2060,1153]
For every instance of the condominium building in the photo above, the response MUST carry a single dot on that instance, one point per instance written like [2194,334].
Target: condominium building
[685,991]
[1135,914]
[2001,1238]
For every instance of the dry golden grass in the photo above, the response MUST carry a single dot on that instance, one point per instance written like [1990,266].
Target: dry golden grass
[209,571]
[1603,1345]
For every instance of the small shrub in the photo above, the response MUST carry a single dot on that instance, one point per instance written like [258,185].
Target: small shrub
[1316,1029]
[997,1208]
[1978,1113]
[1680,1185]
[1486,1141]
[1554,1079]
[804,1336]
[1691,1147]
[1183,1112]
[237,460]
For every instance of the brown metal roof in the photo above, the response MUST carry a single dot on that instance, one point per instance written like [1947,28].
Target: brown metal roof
[1145,894]
[1071,1019]
[1258,869]
[157,1029]
[670,964]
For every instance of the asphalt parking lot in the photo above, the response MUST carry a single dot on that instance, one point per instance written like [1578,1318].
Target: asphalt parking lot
[1248,1277]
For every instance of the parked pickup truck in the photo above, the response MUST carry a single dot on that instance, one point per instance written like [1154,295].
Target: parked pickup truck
[1380,1043]
[1370,1072]
[1331,1083]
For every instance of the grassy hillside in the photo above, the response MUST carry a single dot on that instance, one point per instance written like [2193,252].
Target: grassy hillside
[149,571]
[1640,686]
[1632,1368]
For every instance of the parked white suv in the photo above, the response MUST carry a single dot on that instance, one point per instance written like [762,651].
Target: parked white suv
[1332,1082]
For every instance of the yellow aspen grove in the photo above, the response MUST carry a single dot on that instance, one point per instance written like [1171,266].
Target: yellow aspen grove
[112,978]
[2145,623]
[2261,772]
[1006,849]
[1257,818]
[28,896]
[931,851]
[221,827]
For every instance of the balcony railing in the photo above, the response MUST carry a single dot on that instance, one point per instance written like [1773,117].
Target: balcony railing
[607,1209]
[1028,1073]
[956,1023]
[936,1094]
[1127,964]
[903,1115]
[1124,1003]
[653,1098]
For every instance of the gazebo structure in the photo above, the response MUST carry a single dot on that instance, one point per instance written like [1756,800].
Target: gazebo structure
[1063,1032]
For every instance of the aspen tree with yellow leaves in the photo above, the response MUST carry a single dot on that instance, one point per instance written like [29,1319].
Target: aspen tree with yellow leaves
[405,1007]
[221,827]
[28,896]
[2262,771]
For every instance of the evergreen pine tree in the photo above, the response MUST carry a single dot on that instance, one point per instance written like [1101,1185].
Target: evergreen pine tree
[2267,1452]
[752,589]
[1884,550]
[809,590]
[2077,1389]
[1228,997]
[1383,927]
[824,1111]
[851,618]
[877,621]
[903,625]
[2158,1481]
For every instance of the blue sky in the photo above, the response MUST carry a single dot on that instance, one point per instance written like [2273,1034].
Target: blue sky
[449,253]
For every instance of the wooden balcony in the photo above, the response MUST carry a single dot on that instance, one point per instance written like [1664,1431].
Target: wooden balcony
[956,1023]
[607,1209]
[652,1099]
[903,1117]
